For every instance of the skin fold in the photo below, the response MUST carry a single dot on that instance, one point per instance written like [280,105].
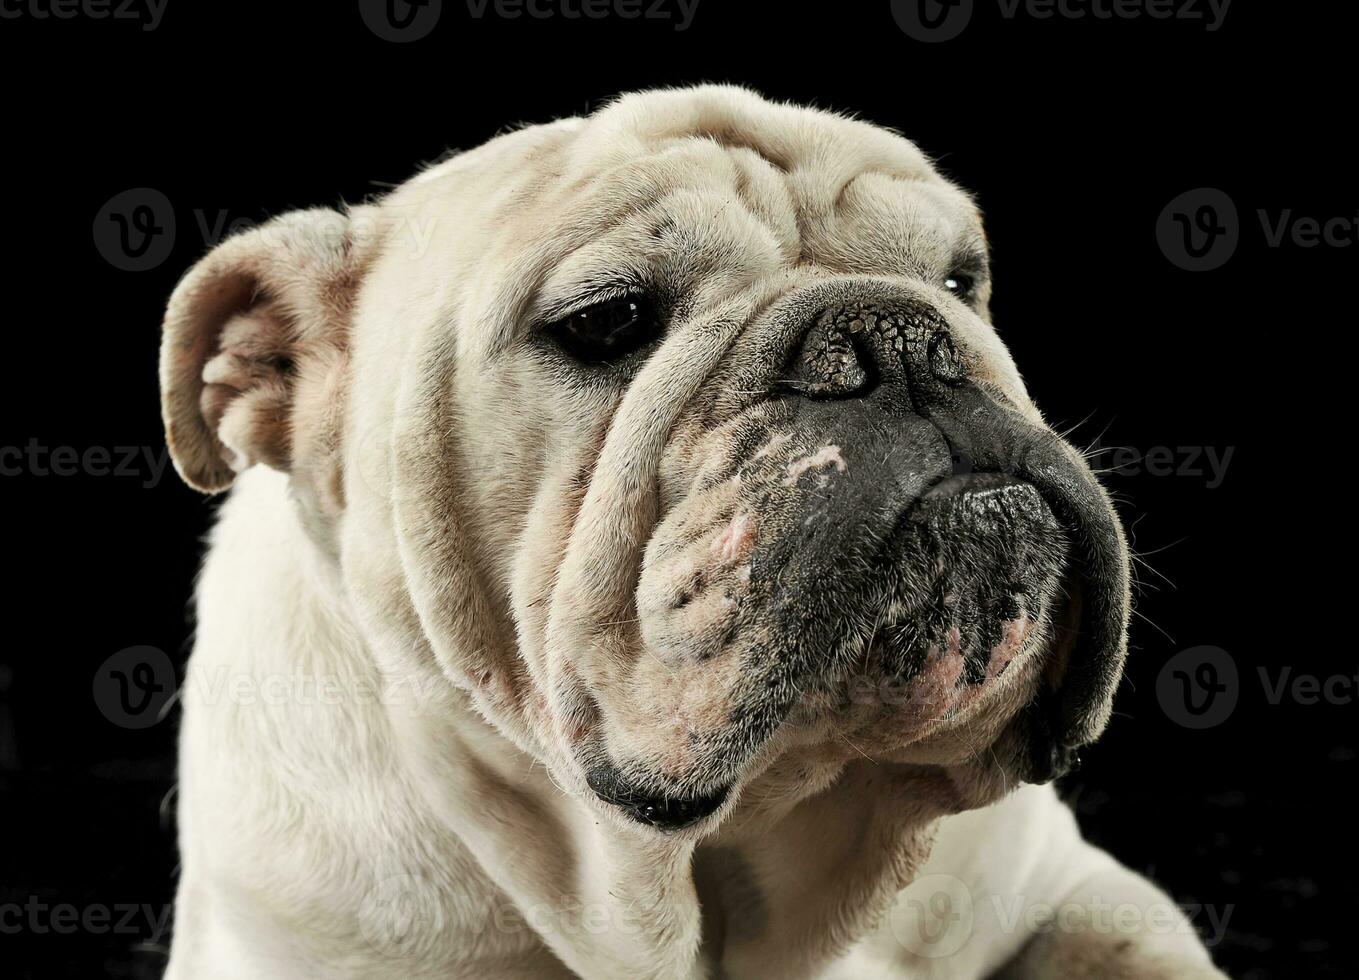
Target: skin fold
[742,653]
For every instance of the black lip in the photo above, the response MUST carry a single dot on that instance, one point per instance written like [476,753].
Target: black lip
[1004,553]
[662,812]
[1093,665]
[972,482]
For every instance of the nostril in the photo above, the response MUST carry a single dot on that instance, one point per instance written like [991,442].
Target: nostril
[832,362]
[942,357]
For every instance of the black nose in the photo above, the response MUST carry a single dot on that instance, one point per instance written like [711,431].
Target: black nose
[851,350]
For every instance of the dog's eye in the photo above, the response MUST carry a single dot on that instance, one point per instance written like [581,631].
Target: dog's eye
[608,331]
[961,285]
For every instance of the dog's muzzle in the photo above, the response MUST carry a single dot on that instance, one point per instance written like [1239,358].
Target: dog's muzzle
[927,527]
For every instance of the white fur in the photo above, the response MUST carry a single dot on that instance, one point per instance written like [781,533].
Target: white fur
[375,777]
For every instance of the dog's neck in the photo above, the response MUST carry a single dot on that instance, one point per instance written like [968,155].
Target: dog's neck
[780,886]
[765,897]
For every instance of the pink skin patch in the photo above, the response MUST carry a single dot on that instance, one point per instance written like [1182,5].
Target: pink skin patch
[933,690]
[827,456]
[736,539]
[1013,634]
[939,689]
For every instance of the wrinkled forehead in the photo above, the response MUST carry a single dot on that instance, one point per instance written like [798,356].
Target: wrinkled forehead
[818,153]
[695,191]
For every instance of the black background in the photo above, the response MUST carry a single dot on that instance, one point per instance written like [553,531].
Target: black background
[1075,134]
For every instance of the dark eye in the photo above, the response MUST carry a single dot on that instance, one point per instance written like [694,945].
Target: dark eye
[961,285]
[608,331]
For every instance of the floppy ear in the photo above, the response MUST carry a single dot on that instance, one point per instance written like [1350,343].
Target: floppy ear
[254,350]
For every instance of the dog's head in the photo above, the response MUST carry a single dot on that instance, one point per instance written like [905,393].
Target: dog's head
[679,438]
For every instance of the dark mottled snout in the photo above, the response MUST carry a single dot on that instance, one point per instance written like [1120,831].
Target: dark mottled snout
[889,516]
[929,529]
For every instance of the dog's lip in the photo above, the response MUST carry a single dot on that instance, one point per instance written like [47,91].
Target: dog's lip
[982,494]
[978,482]
[661,811]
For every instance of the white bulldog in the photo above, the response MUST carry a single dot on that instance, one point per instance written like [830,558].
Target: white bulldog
[657,569]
